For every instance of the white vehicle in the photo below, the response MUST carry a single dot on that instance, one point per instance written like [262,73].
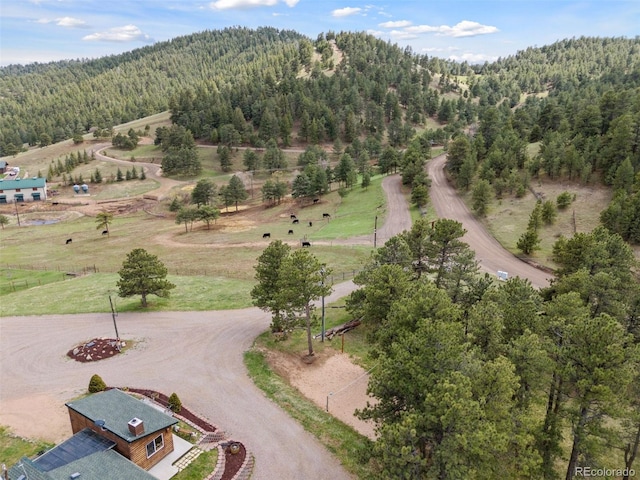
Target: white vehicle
[504,276]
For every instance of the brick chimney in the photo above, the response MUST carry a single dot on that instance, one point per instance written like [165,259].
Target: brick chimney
[136,426]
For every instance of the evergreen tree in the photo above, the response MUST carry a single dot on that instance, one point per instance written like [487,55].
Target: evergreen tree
[143,274]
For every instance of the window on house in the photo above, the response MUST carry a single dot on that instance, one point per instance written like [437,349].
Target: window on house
[154,445]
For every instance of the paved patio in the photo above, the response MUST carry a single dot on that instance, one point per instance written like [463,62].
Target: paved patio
[166,469]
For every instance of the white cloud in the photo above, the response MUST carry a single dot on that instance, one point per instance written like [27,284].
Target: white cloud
[396,24]
[71,22]
[473,58]
[64,22]
[128,33]
[243,4]
[402,35]
[345,12]
[465,28]
[376,33]
[439,49]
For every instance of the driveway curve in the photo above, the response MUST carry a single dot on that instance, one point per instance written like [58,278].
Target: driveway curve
[491,255]
[198,355]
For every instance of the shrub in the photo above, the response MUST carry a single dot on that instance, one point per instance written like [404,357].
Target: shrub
[96,384]
[174,403]
[564,200]
[175,205]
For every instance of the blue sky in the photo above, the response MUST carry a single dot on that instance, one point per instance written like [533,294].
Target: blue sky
[472,30]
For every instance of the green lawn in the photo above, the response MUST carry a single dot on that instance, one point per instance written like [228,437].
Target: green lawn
[13,448]
[90,293]
[354,214]
[14,280]
[202,466]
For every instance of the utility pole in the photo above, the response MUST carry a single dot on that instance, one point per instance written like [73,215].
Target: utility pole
[375,232]
[322,273]
[15,202]
[114,315]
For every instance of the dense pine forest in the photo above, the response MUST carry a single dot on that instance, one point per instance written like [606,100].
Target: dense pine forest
[473,380]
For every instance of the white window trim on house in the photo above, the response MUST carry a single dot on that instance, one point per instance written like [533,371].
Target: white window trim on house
[156,444]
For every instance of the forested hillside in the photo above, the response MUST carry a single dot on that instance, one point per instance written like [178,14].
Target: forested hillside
[474,378]
[45,103]
[585,118]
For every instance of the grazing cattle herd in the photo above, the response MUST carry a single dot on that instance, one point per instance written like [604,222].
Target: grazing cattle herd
[293,217]
[296,221]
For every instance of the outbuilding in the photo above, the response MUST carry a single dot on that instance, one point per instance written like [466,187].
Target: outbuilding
[23,190]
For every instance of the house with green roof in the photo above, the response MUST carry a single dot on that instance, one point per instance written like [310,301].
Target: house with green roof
[23,190]
[140,432]
[84,456]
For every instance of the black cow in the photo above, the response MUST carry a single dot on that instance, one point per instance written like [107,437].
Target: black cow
[306,244]
[69,240]
[326,215]
[316,200]
[311,224]
[296,221]
[266,235]
[290,232]
[293,217]
[105,232]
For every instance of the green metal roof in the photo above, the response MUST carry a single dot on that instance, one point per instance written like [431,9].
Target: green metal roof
[22,183]
[117,409]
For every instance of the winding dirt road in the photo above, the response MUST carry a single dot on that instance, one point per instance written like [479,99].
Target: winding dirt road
[199,355]
[489,252]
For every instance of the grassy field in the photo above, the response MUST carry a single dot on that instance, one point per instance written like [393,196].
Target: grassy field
[13,448]
[90,293]
[354,214]
[214,269]
[14,280]
[508,218]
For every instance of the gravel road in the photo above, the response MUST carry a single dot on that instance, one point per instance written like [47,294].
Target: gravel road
[198,355]
[489,252]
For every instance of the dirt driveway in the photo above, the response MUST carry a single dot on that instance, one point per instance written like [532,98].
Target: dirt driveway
[489,252]
[198,355]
